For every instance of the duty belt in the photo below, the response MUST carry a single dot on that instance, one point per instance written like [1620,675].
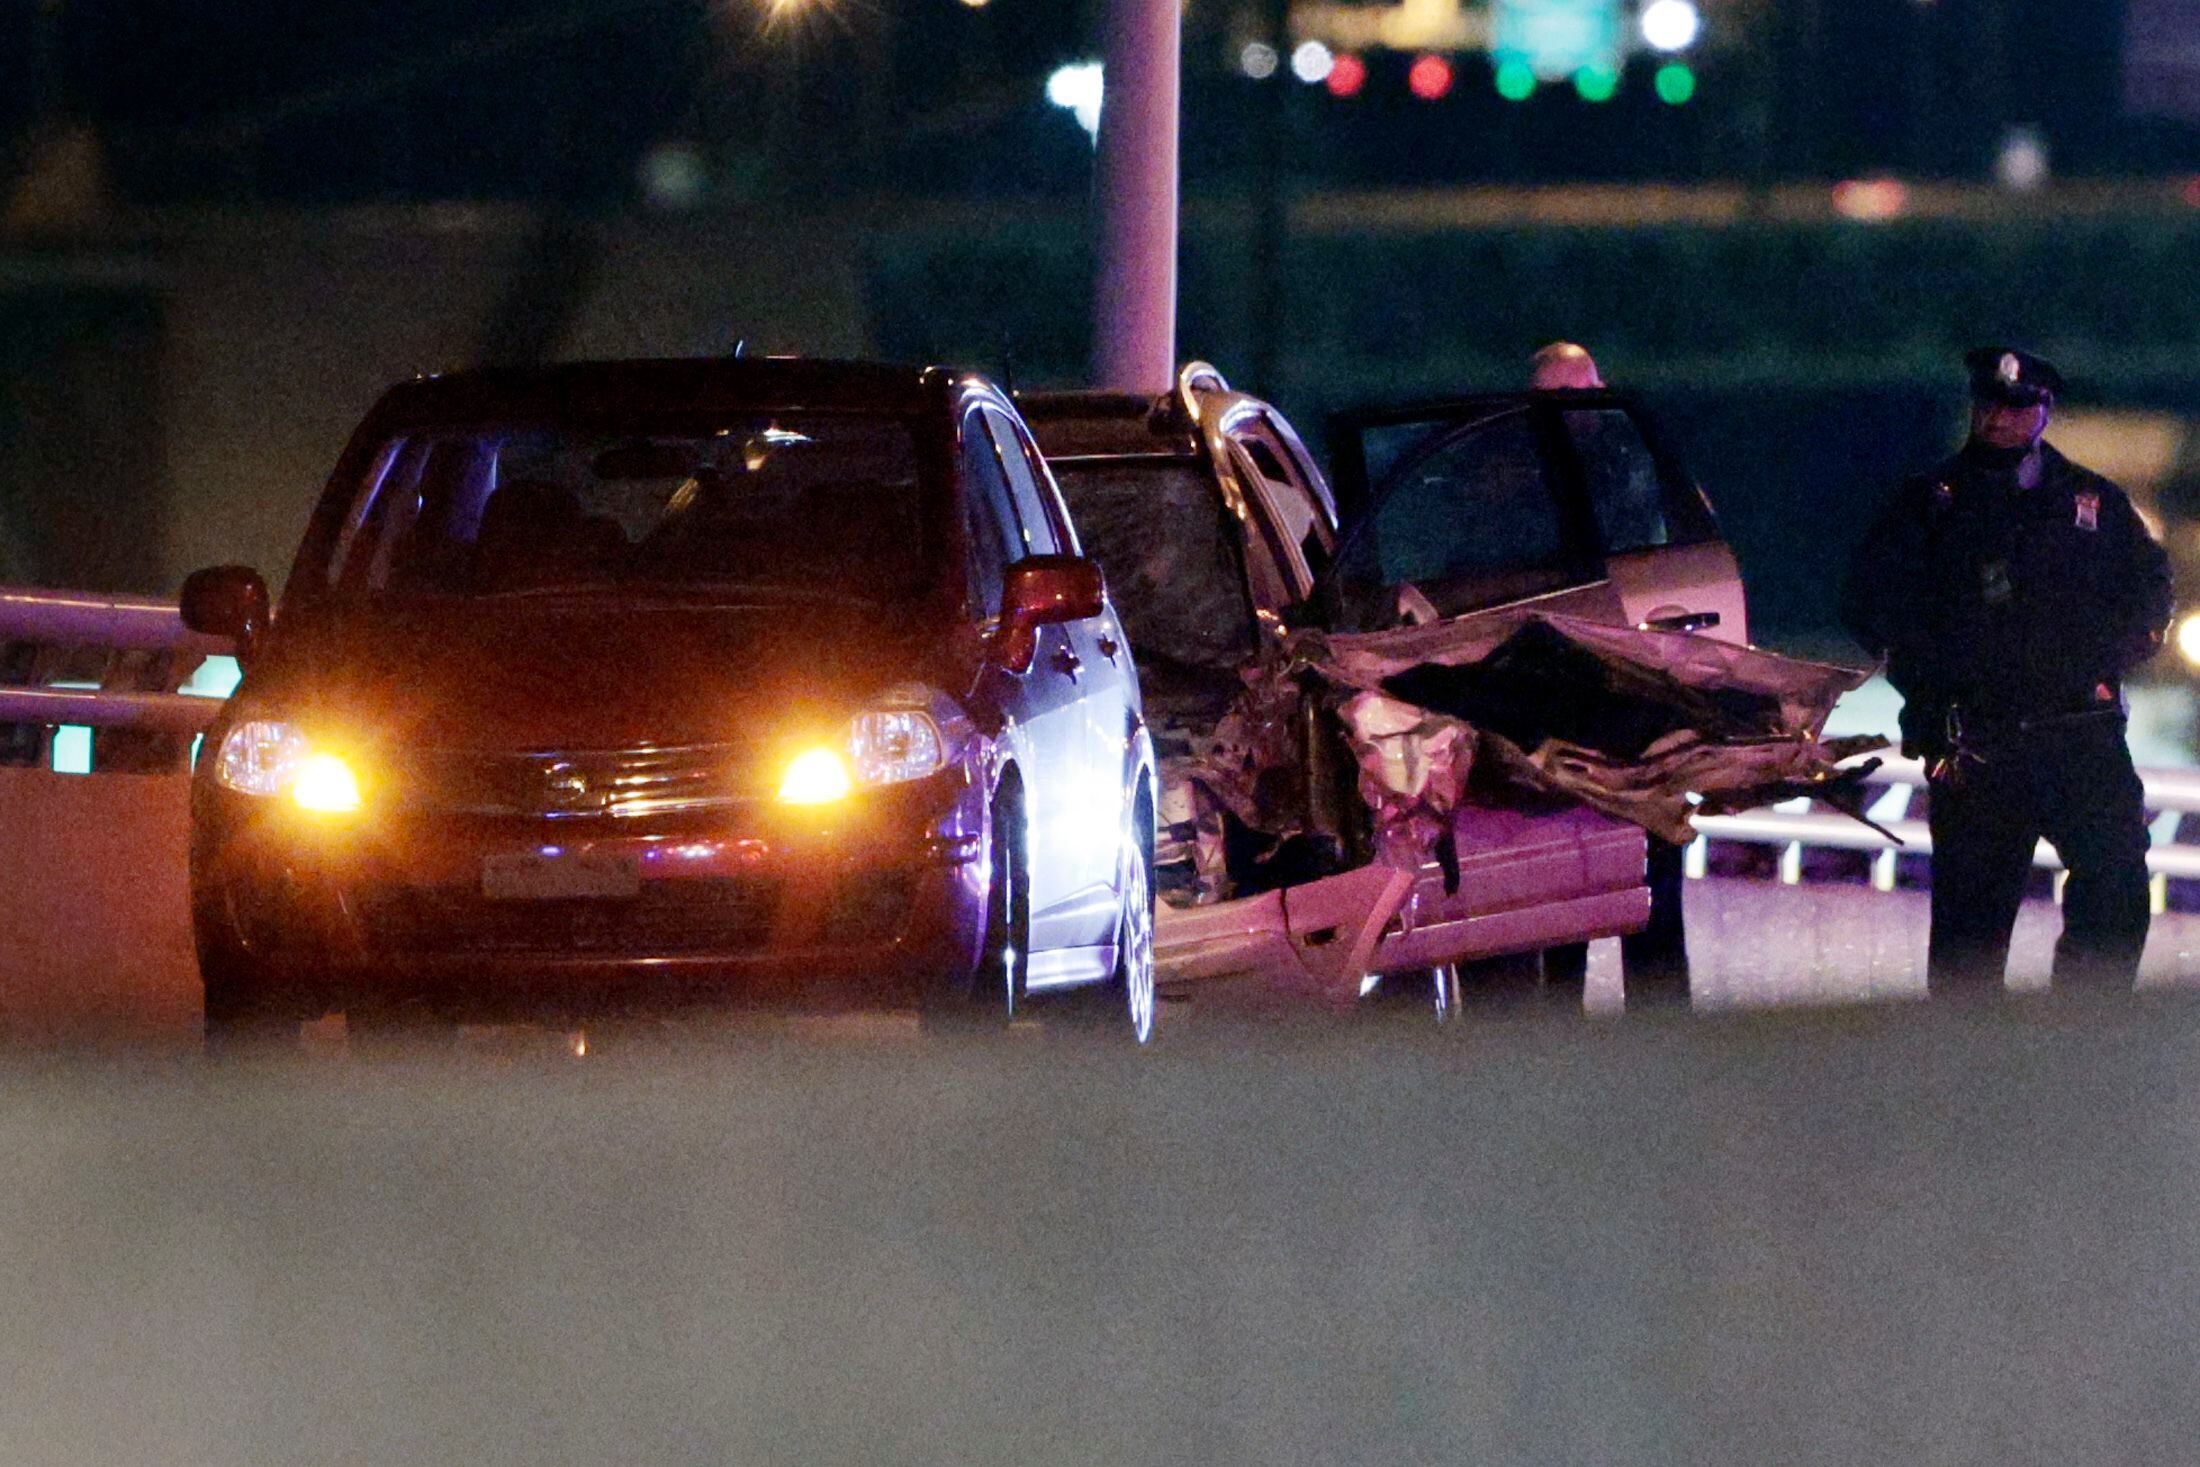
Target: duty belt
[1969,722]
[1972,737]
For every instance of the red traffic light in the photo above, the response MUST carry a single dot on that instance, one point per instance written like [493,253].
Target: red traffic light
[1430,77]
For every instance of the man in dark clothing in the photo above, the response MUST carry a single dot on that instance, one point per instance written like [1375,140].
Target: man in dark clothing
[2010,591]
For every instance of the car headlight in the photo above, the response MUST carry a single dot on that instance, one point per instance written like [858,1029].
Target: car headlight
[888,745]
[816,777]
[891,745]
[267,757]
[2188,638]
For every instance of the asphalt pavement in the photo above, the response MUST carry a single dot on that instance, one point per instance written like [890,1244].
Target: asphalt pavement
[1867,1233]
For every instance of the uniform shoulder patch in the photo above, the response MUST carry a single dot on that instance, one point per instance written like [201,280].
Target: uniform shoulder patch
[2089,510]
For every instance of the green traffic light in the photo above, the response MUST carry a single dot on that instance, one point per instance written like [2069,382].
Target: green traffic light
[1675,83]
[1596,83]
[1515,80]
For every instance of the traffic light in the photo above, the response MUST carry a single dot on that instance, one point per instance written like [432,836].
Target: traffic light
[1596,83]
[1675,83]
[1430,77]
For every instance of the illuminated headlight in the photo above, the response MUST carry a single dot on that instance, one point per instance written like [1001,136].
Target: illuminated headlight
[261,757]
[816,777]
[883,746]
[892,745]
[268,758]
[2188,638]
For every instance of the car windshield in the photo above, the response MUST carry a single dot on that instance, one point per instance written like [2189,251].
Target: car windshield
[1169,549]
[783,505]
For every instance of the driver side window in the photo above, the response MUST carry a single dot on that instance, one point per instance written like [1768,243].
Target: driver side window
[996,540]
[1468,518]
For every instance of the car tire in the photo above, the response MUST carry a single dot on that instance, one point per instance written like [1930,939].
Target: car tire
[1133,987]
[1433,992]
[242,1008]
[991,992]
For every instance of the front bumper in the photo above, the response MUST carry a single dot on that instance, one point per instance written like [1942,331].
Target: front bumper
[867,904]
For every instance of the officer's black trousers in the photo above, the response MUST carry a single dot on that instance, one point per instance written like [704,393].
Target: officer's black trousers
[2074,786]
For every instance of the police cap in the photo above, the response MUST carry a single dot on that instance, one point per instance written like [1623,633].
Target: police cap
[2004,374]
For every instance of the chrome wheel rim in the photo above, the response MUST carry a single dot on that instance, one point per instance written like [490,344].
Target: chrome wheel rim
[1137,945]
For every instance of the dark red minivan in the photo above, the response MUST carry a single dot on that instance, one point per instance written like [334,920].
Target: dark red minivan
[610,684]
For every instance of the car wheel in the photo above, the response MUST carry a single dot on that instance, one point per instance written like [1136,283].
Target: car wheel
[996,986]
[242,1008]
[1431,991]
[1134,983]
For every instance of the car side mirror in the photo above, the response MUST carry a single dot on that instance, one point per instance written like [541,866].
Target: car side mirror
[1040,590]
[228,601]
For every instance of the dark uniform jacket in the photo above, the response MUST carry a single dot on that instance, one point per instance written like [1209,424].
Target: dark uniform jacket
[2009,603]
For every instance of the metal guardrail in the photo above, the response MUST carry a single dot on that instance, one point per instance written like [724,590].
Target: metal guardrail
[2171,796]
[114,664]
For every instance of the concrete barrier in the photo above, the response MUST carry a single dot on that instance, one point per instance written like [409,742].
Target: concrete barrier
[95,934]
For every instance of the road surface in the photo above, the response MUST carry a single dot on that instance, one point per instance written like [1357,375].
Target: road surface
[1885,1233]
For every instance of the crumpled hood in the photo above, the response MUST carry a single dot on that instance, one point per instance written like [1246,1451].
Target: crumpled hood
[588,673]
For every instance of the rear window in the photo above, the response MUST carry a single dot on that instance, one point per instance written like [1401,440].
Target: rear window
[790,503]
[1171,553]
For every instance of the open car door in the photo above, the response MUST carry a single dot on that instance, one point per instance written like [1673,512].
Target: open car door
[1564,501]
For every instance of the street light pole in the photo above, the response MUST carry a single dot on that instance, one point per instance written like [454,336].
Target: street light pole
[1134,299]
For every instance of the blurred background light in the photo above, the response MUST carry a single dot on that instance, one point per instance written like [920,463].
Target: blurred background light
[1429,78]
[674,176]
[1870,200]
[2022,163]
[1258,60]
[1515,81]
[1347,77]
[1675,83]
[1670,25]
[1311,61]
[1077,88]
[1557,38]
[1596,83]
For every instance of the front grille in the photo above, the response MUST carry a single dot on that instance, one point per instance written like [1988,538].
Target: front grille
[668,919]
[578,784]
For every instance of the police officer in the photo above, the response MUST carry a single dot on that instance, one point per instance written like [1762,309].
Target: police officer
[2010,591]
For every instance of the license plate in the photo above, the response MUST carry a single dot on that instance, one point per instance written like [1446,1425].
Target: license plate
[568,875]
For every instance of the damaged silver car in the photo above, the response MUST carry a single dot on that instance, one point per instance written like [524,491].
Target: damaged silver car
[1443,733]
